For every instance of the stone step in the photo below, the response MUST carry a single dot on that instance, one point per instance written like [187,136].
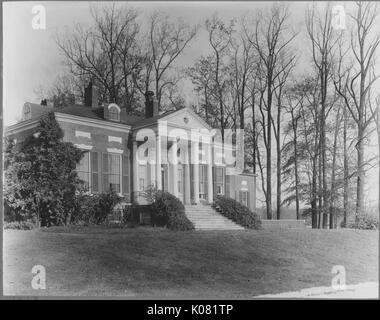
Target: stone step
[204,217]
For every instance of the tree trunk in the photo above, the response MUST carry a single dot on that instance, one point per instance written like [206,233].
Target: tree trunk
[254,133]
[278,164]
[269,147]
[332,193]
[345,169]
[320,200]
[360,175]
[294,125]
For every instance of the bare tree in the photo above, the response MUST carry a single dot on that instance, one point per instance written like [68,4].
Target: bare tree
[202,76]
[268,38]
[286,65]
[358,82]
[321,35]
[166,41]
[219,37]
[243,62]
[106,51]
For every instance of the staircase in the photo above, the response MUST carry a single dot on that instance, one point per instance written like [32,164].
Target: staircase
[204,217]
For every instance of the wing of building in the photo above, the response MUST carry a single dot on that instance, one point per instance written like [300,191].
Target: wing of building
[174,151]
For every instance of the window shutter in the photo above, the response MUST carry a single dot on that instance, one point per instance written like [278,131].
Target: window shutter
[126,180]
[105,172]
[95,171]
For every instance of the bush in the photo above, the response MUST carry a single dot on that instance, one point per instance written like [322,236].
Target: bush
[168,211]
[365,222]
[19,225]
[94,208]
[237,212]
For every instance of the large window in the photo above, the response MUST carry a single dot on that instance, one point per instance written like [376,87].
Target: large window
[112,172]
[112,168]
[142,177]
[219,180]
[83,170]
[114,162]
[202,181]
[244,198]
[113,113]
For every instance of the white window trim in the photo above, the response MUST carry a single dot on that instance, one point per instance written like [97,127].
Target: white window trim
[82,134]
[115,150]
[111,105]
[83,146]
[115,139]
[121,170]
[89,170]
[114,105]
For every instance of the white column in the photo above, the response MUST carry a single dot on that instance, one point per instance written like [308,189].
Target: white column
[187,176]
[195,149]
[174,161]
[209,175]
[135,172]
[158,162]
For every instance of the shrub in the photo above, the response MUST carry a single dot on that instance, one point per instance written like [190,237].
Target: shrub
[237,212]
[168,210]
[365,221]
[19,225]
[94,208]
[180,222]
[40,177]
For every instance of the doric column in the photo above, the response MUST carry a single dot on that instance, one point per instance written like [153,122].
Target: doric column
[174,161]
[195,149]
[135,172]
[187,176]
[210,182]
[158,162]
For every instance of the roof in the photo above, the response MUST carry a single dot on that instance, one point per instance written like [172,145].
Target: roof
[88,112]
[152,120]
[97,114]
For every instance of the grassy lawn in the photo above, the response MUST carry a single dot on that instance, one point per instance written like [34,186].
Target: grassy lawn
[153,262]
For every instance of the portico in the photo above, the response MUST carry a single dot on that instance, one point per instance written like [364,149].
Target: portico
[175,158]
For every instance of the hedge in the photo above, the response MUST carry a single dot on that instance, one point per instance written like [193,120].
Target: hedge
[237,212]
[169,211]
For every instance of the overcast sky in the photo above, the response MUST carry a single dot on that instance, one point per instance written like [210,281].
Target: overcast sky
[31,58]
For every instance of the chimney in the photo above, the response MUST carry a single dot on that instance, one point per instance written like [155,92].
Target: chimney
[151,105]
[43,102]
[91,95]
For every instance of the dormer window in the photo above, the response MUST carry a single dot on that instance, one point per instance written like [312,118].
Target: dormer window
[27,112]
[114,112]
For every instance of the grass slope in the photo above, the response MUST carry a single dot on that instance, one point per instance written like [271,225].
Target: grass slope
[154,262]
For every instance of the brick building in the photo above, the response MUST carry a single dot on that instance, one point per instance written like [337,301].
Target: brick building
[129,153]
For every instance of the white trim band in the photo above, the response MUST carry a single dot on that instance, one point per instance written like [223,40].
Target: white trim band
[114,139]
[83,146]
[114,150]
[82,134]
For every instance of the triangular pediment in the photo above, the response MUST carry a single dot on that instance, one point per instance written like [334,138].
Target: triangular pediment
[186,119]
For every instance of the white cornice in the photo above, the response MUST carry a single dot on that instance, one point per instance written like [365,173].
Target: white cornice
[92,122]
[21,126]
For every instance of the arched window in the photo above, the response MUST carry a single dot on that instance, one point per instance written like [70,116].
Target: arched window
[27,112]
[114,112]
